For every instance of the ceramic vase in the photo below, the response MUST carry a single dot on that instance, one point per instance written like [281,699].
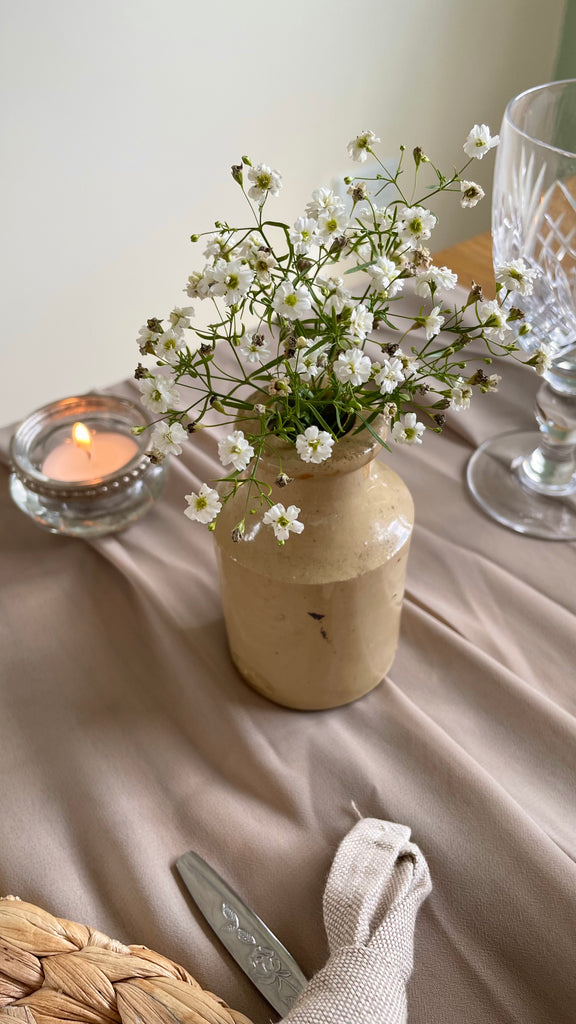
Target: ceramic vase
[314,624]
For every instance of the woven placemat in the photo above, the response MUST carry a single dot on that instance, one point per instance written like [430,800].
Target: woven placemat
[53,970]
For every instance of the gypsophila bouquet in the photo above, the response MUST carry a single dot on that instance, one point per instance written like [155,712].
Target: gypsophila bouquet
[300,351]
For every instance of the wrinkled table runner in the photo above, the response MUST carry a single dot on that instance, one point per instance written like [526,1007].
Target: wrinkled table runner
[127,737]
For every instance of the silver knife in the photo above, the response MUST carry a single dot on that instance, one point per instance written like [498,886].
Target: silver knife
[259,953]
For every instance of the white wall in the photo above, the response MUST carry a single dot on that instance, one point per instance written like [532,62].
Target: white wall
[120,119]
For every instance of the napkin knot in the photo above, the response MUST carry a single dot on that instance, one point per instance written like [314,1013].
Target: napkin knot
[375,887]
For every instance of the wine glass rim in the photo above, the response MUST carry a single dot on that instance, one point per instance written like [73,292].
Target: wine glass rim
[508,115]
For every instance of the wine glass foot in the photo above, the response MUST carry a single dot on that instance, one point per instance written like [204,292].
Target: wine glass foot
[495,484]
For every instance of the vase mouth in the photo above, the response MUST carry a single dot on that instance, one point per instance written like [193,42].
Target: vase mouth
[352,450]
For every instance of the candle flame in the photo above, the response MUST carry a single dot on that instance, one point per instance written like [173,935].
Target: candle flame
[81,437]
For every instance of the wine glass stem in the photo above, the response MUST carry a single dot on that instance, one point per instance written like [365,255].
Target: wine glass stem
[551,467]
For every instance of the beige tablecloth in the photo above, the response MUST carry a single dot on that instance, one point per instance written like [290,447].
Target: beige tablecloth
[127,737]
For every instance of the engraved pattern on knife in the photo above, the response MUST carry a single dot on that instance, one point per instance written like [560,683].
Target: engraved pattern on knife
[264,964]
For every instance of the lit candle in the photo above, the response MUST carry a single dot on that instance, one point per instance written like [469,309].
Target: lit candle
[89,455]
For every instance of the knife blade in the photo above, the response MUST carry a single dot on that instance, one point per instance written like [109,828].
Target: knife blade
[270,967]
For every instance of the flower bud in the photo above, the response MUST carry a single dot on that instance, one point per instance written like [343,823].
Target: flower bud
[475,294]
[515,314]
[194,238]
[156,458]
[303,265]
[358,192]
[282,480]
[136,431]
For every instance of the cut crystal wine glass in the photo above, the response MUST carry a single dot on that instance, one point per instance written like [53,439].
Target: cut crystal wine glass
[527,480]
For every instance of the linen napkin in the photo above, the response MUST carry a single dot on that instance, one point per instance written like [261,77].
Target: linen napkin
[375,887]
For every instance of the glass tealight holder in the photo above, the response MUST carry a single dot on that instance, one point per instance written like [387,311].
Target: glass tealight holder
[97,484]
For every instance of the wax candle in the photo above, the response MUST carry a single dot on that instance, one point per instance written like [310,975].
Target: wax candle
[89,455]
[77,469]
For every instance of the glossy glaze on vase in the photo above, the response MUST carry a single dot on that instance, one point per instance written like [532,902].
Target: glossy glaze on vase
[314,624]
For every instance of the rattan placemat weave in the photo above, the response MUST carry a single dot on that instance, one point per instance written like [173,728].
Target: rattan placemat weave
[53,970]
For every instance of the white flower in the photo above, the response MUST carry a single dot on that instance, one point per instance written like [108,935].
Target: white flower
[253,347]
[232,280]
[236,450]
[410,364]
[283,521]
[159,392]
[262,261]
[147,339]
[479,141]
[217,245]
[305,361]
[167,439]
[375,217]
[432,323]
[409,432]
[180,317]
[442,277]
[352,367]
[384,274]
[493,318]
[198,286]
[324,199]
[492,382]
[314,445]
[460,395]
[389,376]
[414,224]
[471,193]
[266,182]
[249,246]
[517,276]
[168,345]
[304,235]
[204,506]
[338,297]
[332,223]
[291,300]
[358,148]
[361,321]
[542,360]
